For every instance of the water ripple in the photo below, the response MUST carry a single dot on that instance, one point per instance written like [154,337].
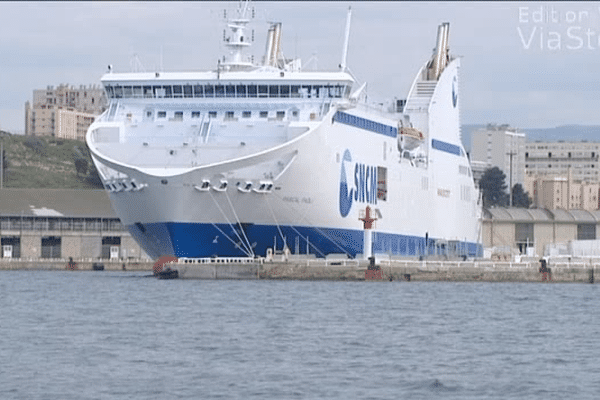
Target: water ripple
[117,336]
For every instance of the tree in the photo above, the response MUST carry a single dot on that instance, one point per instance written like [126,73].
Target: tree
[493,187]
[4,165]
[4,161]
[81,166]
[520,198]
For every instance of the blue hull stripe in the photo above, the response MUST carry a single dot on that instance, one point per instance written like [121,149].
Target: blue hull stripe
[207,240]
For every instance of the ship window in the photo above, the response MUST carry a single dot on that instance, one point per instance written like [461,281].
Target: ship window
[230,91]
[212,114]
[137,92]
[295,91]
[219,91]
[177,91]
[229,115]
[280,115]
[178,116]
[187,91]
[316,89]
[148,91]
[159,92]
[306,91]
[241,90]
[263,91]
[209,91]
[382,183]
[273,91]
[246,114]
[127,93]
[168,92]
[251,90]
[195,114]
[338,90]
[284,91]
[161,114]
[109,92]
[148,114]
[264,114]
[118,92]
[198,91]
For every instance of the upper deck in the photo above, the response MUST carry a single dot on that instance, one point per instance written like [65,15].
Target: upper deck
[228,85]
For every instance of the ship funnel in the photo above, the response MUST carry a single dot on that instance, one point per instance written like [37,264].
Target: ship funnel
[270,36]
[273,48]
[440,55]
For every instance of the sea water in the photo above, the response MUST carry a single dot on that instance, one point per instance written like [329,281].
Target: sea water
[125,335]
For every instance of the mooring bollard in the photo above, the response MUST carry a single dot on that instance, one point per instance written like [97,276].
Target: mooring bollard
[373,271]
[545,271]
[71,265]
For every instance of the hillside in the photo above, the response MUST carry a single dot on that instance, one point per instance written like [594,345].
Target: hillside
[47,162]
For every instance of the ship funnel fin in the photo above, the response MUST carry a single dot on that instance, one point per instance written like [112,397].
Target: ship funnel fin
[273,49]
[440,55]
[269,48]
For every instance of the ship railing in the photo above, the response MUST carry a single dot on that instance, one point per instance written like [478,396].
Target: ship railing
[483,264]
[219,260]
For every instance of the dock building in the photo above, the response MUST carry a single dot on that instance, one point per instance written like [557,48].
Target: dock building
[63,223]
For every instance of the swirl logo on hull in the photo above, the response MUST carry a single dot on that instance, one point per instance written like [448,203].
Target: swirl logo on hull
[454,92]
[345,196]
[364,189]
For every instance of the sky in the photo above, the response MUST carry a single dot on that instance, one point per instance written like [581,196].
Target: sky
[530,65]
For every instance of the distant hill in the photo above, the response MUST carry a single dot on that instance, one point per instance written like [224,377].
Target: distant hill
[567,133]
[47,162]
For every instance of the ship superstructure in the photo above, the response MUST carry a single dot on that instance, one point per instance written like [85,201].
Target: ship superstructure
[247,157]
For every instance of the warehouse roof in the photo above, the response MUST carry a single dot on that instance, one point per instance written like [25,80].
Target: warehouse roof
[505,214]
[72,203]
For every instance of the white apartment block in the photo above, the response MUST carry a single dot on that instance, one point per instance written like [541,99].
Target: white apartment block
[64,112]
[503,147]
[579,159]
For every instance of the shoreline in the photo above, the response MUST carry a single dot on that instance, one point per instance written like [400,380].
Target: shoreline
[63,265]
[344,270]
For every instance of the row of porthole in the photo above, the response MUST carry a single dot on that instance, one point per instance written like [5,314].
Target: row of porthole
[260,187]
[246,187]
[226,260]
[125,186]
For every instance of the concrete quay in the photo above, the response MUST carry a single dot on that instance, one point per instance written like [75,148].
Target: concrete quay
[409,271]
[341,270]
[80,265]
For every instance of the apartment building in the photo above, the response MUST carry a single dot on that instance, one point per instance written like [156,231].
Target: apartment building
[579,159]
[562,192]
[64,112]
[503,147]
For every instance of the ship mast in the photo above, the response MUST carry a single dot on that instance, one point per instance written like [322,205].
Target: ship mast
[238,41]
[346,39]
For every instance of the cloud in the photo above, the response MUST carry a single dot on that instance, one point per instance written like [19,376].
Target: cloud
[48,43]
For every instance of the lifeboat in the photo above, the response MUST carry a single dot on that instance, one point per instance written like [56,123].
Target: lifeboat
[409,138]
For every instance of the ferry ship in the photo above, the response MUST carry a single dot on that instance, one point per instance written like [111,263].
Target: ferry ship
[252,157]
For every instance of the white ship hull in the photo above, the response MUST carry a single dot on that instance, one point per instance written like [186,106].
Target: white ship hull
[302,182]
